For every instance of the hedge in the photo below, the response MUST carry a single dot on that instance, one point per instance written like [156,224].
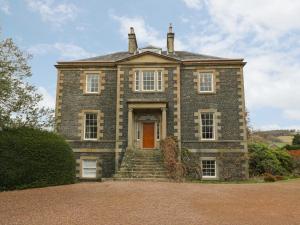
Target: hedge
[34,158]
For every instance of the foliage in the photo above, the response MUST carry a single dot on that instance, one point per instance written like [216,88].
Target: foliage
[266,160]
[192,164]
[296,139]
[19,101]
[292,147]
[269,178]
[170,152]
[34,158]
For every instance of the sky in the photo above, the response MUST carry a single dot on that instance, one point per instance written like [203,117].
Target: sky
[265,33]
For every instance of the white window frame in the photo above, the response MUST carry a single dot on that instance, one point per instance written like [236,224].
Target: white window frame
[84,167]
[214,126]
[140,75]
[216,169]
[138,131]
[84,127]
[158,131]
[212,82]
[87,86]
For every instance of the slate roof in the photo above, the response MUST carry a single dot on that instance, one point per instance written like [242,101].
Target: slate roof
[179,55]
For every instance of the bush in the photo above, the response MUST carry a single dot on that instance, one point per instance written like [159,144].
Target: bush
[169,148]
[34,158]
[292,147]
[269,178]
[265,160]
[296,139]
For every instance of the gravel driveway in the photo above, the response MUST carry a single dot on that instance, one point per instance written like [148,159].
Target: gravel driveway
[154,203]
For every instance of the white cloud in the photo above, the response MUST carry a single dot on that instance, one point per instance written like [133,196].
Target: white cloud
[277,127]
[268,37]
[65,50]
[54,12]
[194,4]
[145,34]
[5,7]
[48,99]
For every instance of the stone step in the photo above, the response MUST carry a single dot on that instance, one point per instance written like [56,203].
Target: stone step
[158,179]
[140,176]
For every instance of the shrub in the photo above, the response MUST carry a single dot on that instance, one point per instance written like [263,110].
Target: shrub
[278,177]
[169,148]
[292,147]
[191,164]
[269,178]
[265,160]
[296,139]
[34,158]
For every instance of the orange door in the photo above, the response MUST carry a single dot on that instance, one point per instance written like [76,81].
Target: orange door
[148,135]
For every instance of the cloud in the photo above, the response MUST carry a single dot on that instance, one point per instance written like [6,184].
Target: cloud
[53,12]
[145,33]
[276,126]
[5,7]
[268,37]
[65,50]
[194,4]
[48,99]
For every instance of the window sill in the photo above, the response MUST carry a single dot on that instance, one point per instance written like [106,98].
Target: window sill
[96,93]
[207,93]
[148,91]
[210,178]
[92,140]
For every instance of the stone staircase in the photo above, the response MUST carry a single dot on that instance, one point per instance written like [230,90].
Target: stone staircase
[142,165]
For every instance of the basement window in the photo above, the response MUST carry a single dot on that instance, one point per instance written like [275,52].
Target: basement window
[209,168]
[89,168]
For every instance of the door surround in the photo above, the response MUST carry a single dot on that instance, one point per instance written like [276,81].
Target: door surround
[146,105]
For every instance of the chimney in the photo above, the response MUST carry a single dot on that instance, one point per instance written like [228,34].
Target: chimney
[132,44]
[170,40]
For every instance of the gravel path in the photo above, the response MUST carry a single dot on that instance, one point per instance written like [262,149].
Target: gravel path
[154,203]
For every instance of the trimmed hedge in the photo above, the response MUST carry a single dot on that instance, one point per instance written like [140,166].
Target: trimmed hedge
[34,158]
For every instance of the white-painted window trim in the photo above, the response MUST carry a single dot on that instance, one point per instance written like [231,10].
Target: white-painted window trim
[138,132]
[216,169]
[140,75]
[86,167]
[212,82]
[214,126]
[87,86]
[84,127]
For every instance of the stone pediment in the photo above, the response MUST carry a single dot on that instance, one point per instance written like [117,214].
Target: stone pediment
[148,58]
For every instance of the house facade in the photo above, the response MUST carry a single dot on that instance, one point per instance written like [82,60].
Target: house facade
[127,101]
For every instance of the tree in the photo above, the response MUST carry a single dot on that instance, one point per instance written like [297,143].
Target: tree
[19,100]
[296,139]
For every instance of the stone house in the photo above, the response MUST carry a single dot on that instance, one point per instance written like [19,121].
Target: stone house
[113,107]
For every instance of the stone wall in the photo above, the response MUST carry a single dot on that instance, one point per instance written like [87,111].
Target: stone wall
[230,165]
[225,101]
[106,161]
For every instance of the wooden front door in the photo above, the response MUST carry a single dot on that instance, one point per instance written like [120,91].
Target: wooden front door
[148,135]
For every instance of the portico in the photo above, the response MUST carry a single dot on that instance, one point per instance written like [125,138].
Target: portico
[147,124]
